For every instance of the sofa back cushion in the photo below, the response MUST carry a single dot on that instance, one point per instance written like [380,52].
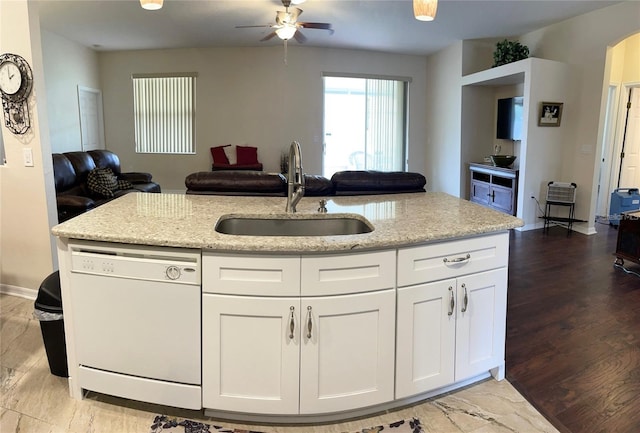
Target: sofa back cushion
[63,173]
[106,159]
[236,183]
[82,164]
[317,186]
[356,182]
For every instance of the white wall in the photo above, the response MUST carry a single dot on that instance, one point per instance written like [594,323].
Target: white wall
[67,65]
[26,206]
[582,42]
[249,96]
[443,121]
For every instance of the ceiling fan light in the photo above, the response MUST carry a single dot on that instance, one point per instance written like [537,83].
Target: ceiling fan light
[297,2]
[151,5]
[425,10]
[286,32]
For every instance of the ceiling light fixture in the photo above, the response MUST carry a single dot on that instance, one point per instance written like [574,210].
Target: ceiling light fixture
[425,10]
[151,5]
[286,32]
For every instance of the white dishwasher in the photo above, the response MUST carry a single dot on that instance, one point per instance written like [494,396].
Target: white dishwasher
[136,319]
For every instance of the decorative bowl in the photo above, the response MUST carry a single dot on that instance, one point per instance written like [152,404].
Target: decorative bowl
[502,160]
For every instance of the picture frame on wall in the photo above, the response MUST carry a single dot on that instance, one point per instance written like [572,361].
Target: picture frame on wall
[550,114]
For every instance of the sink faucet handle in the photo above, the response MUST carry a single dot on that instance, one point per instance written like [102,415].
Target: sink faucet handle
[323,206]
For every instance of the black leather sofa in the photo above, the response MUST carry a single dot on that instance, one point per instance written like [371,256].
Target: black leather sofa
[351,182]
[71,170]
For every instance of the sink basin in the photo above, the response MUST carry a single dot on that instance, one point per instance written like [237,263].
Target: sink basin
[502,160]
[305,226]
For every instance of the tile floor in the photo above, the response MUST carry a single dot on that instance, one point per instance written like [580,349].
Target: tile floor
[33,400]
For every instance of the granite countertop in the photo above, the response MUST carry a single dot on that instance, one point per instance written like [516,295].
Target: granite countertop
[188,221]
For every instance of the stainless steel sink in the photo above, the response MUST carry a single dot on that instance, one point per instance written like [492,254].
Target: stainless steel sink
[311,225]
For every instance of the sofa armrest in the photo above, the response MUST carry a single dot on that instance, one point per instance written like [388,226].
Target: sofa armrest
[74,202]
[136,177]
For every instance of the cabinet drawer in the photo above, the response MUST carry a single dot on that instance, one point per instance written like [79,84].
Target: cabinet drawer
[353,273]
[239,274]
[451,259]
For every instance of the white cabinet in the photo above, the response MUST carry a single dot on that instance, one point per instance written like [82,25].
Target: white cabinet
[250,362]
[425,357]
[273,353]
[347,359]
[481,323]
[456,325]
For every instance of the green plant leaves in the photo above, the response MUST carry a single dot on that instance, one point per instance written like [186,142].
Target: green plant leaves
[508,52]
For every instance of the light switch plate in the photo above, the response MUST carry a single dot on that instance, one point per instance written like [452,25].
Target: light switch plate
[27,156]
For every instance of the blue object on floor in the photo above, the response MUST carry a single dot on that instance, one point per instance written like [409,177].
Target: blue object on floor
[623,200]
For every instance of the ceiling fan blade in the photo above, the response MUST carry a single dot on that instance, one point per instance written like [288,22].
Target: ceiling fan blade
[322,26]
[300,37]
[269,36]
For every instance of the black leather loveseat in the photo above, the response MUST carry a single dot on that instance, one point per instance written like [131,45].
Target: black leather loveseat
[71,171]
[351,182]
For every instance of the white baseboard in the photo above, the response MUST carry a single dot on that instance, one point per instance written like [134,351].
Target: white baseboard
[576,227]
[22,292]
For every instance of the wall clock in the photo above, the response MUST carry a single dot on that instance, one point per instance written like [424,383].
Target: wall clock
[16,82]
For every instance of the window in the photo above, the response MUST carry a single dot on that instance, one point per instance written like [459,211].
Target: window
[164,113]
[364,124]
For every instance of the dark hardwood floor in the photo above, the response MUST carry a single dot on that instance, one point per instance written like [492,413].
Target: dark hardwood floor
[573,330]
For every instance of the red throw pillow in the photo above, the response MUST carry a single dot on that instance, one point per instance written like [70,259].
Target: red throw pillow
[247,155]
[218,155]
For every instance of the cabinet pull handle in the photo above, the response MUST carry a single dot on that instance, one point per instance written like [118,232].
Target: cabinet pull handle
[309,323]
[465,299]
[292,322]
[452,301]
[457,259]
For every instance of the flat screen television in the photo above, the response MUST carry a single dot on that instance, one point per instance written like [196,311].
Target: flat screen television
[509,123]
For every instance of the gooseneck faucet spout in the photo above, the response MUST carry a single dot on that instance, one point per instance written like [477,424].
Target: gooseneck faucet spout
[295,177]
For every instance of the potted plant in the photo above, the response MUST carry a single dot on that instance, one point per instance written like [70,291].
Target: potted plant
[508,52]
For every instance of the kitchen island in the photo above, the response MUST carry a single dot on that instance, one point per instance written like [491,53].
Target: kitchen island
[277,327]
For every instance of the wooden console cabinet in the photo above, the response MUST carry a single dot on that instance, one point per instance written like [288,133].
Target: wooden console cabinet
[494,187]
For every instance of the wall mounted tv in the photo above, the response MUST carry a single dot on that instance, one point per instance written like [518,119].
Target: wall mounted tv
[509,123]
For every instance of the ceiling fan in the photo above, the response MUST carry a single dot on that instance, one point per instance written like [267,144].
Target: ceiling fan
[287,25]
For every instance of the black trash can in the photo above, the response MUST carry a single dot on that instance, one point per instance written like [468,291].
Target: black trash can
[48,310]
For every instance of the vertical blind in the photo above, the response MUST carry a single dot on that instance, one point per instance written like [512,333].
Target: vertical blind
[385,127]
[164,113]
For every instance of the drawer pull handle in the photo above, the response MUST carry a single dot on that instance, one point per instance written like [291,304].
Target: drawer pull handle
[452,301]
[309,323]
[292,323]
[457,259]
[465,299]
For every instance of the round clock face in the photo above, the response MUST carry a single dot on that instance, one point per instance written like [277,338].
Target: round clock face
[10,78]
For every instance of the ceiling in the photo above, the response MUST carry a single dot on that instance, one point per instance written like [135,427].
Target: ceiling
[379,25]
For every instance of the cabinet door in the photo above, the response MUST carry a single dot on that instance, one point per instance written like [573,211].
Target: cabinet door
[250,360]
[425,352]
[481,322]
[502,199]
[480,192]
[347,354]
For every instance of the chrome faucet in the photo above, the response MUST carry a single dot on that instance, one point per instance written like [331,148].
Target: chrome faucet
[295,177]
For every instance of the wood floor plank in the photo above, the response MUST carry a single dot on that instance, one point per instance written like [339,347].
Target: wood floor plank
[573,330]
